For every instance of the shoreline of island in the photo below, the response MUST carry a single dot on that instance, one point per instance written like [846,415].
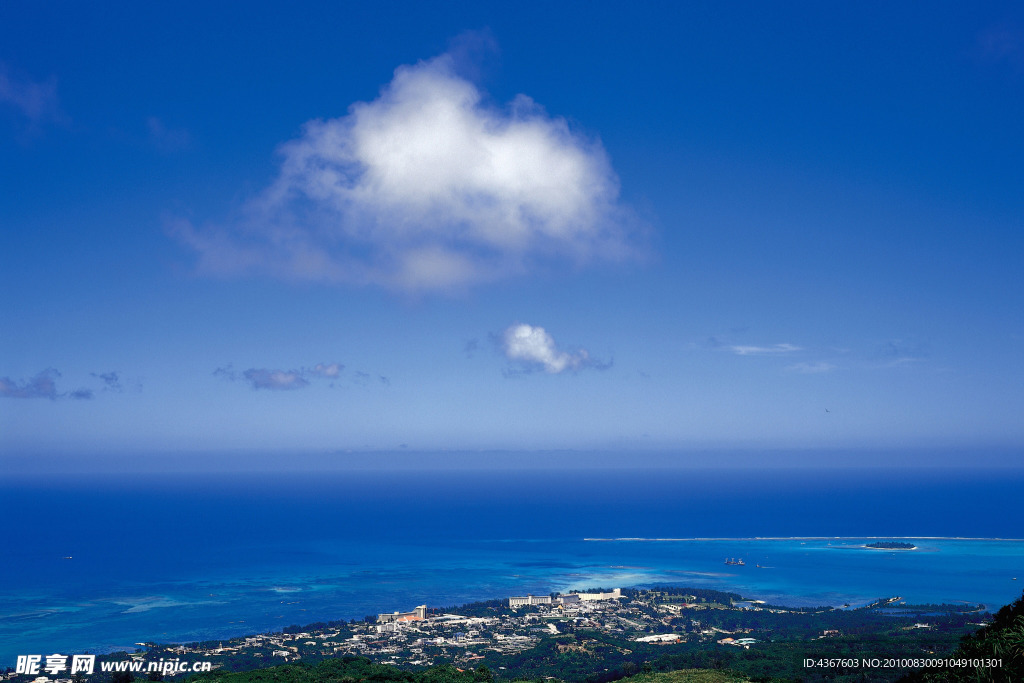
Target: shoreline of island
[502,634]
[739,581]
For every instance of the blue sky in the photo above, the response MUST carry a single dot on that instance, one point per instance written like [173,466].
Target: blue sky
[352,226]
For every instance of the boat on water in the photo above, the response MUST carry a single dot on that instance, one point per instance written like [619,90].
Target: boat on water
[729,560]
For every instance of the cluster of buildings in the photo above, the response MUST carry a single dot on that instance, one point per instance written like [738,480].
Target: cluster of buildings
[422,637]
[396,618]
[562,599]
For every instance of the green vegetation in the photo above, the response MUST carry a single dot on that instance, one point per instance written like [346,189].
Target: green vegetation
[1002,640]
[348,669]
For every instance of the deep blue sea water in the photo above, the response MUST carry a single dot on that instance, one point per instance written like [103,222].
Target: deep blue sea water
[187,557]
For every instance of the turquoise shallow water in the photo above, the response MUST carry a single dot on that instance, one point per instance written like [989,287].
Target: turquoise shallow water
[168,563]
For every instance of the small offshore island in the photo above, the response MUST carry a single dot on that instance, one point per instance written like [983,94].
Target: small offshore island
[662,634]
[891,545]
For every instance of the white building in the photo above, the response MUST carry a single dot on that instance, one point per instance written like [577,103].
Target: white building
[592,597]
[567,599]
[417,614]
[529,600]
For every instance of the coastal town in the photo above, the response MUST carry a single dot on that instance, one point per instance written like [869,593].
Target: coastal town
[534,635]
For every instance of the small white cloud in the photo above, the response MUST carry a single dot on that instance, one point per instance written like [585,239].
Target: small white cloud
[427,187]
[281,380]
[327,370]
[275,380]
[764,350]
[532,347]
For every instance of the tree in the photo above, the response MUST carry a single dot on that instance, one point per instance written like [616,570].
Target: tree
[1002,640]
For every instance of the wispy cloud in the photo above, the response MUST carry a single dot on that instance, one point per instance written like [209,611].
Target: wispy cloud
[226,372]
[275,380]
[286,380]
[327,370]
[811,368]
[427,187]
[35,101]
[899,362]
[43,385]
[741,350]
[897,353]
[532,348]
[266,378]
[167,139]
[111,380]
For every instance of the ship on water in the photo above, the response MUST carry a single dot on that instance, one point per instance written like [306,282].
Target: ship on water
[729,560]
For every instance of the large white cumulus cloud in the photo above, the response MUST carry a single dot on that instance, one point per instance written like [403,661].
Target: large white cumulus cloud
[531,346]
[427,187]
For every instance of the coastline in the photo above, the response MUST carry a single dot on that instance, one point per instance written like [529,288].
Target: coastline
[264,593]
[512,636]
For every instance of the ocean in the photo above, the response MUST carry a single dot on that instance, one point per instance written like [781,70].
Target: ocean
[95,563]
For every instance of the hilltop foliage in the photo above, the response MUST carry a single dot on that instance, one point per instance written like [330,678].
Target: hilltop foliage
[1003,639]
[348,669]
